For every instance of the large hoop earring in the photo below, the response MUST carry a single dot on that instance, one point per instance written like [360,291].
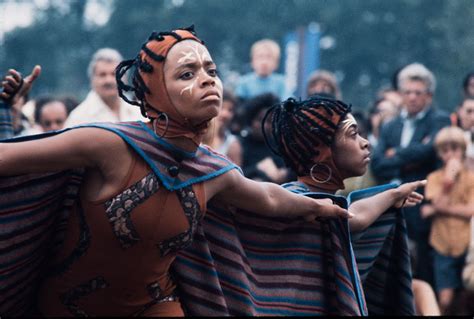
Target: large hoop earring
[155,123]
[318,180]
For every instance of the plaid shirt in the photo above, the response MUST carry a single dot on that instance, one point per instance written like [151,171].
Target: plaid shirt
[6,127]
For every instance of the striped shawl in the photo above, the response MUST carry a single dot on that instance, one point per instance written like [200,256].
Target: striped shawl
[34,208]
[244,264]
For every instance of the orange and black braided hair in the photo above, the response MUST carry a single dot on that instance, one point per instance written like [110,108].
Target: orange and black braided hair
[300,129]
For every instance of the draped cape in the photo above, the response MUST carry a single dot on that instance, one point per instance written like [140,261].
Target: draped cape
[241,263]
[34,208]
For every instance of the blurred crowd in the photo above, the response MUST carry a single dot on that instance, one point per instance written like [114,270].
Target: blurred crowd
[410,140]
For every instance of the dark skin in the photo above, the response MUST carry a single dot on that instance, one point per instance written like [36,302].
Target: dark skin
[14,89]
[106,166]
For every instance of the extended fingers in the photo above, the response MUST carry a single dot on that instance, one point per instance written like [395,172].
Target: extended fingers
[33,75]
[417,184]
[11,82]
[413,199]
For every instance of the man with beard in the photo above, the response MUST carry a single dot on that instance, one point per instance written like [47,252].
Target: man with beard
[103,103]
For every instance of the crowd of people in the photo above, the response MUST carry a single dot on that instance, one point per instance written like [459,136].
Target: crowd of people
[378,160]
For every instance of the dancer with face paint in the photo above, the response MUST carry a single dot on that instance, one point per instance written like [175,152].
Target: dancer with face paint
[99,212]
[330,267]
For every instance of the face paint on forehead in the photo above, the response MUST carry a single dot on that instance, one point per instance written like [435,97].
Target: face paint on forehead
[196,53]
[346,124]
[187,57]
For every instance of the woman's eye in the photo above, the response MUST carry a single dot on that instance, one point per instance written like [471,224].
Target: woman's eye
[186,75]
[212,72]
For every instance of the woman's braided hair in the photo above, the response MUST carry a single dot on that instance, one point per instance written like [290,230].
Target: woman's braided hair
[138,87]
[300,128]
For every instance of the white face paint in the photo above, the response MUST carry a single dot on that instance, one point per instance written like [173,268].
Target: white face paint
[196,54]
[190,87]
[190,75]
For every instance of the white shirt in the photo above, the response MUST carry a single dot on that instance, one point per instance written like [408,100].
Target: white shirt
[409,126]
[93,109]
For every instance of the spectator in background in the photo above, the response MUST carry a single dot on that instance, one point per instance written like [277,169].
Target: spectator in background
[50,114]
[103,103]
[15,92]
[258,162]
[450,203]
[219,137]
[468,85]
[322,81]
[392,95]
[468,93]
[405,150]
[265,58]
[383,111]
[71,102]
[466,122]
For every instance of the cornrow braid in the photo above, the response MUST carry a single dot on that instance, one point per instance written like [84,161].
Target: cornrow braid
[139,88]
[300,128]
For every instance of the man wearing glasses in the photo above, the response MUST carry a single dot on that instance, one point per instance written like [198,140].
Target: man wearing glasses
[405,151]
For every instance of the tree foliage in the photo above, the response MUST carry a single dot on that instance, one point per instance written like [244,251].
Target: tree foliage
[373,38]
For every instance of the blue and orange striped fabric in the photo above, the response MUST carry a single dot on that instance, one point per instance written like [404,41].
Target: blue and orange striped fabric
[244,264]
[34,208]
[6,128]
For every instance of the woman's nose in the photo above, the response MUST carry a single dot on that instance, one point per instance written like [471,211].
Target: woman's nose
[208,80]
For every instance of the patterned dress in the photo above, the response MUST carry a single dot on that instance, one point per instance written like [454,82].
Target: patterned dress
[103,258]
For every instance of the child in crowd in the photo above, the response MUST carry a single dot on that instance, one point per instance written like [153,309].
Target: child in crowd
[265,57]
[220,137]
[450,202]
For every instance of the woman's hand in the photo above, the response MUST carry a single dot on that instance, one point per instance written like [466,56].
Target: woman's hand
[15,87]
[407,195]
[325,208]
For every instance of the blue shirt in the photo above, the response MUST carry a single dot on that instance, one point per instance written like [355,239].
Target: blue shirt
[251,85]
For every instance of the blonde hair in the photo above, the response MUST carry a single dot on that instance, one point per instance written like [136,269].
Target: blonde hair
[451,135]
[266,44]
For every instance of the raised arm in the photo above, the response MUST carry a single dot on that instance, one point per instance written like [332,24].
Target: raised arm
[13,88]
[367,210]
[269,199]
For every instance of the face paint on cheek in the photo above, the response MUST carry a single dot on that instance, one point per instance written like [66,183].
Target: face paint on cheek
[189,87]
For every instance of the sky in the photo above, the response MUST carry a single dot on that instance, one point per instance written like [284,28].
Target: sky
[20,13]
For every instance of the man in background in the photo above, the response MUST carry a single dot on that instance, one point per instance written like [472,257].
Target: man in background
[405,151]
[103,103]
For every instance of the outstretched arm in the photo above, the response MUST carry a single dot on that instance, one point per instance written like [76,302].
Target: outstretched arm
[84,147]
[269,199]
[367,210]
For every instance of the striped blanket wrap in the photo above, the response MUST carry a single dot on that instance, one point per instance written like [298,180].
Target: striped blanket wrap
[245,264]
[239,264]
[34,208]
